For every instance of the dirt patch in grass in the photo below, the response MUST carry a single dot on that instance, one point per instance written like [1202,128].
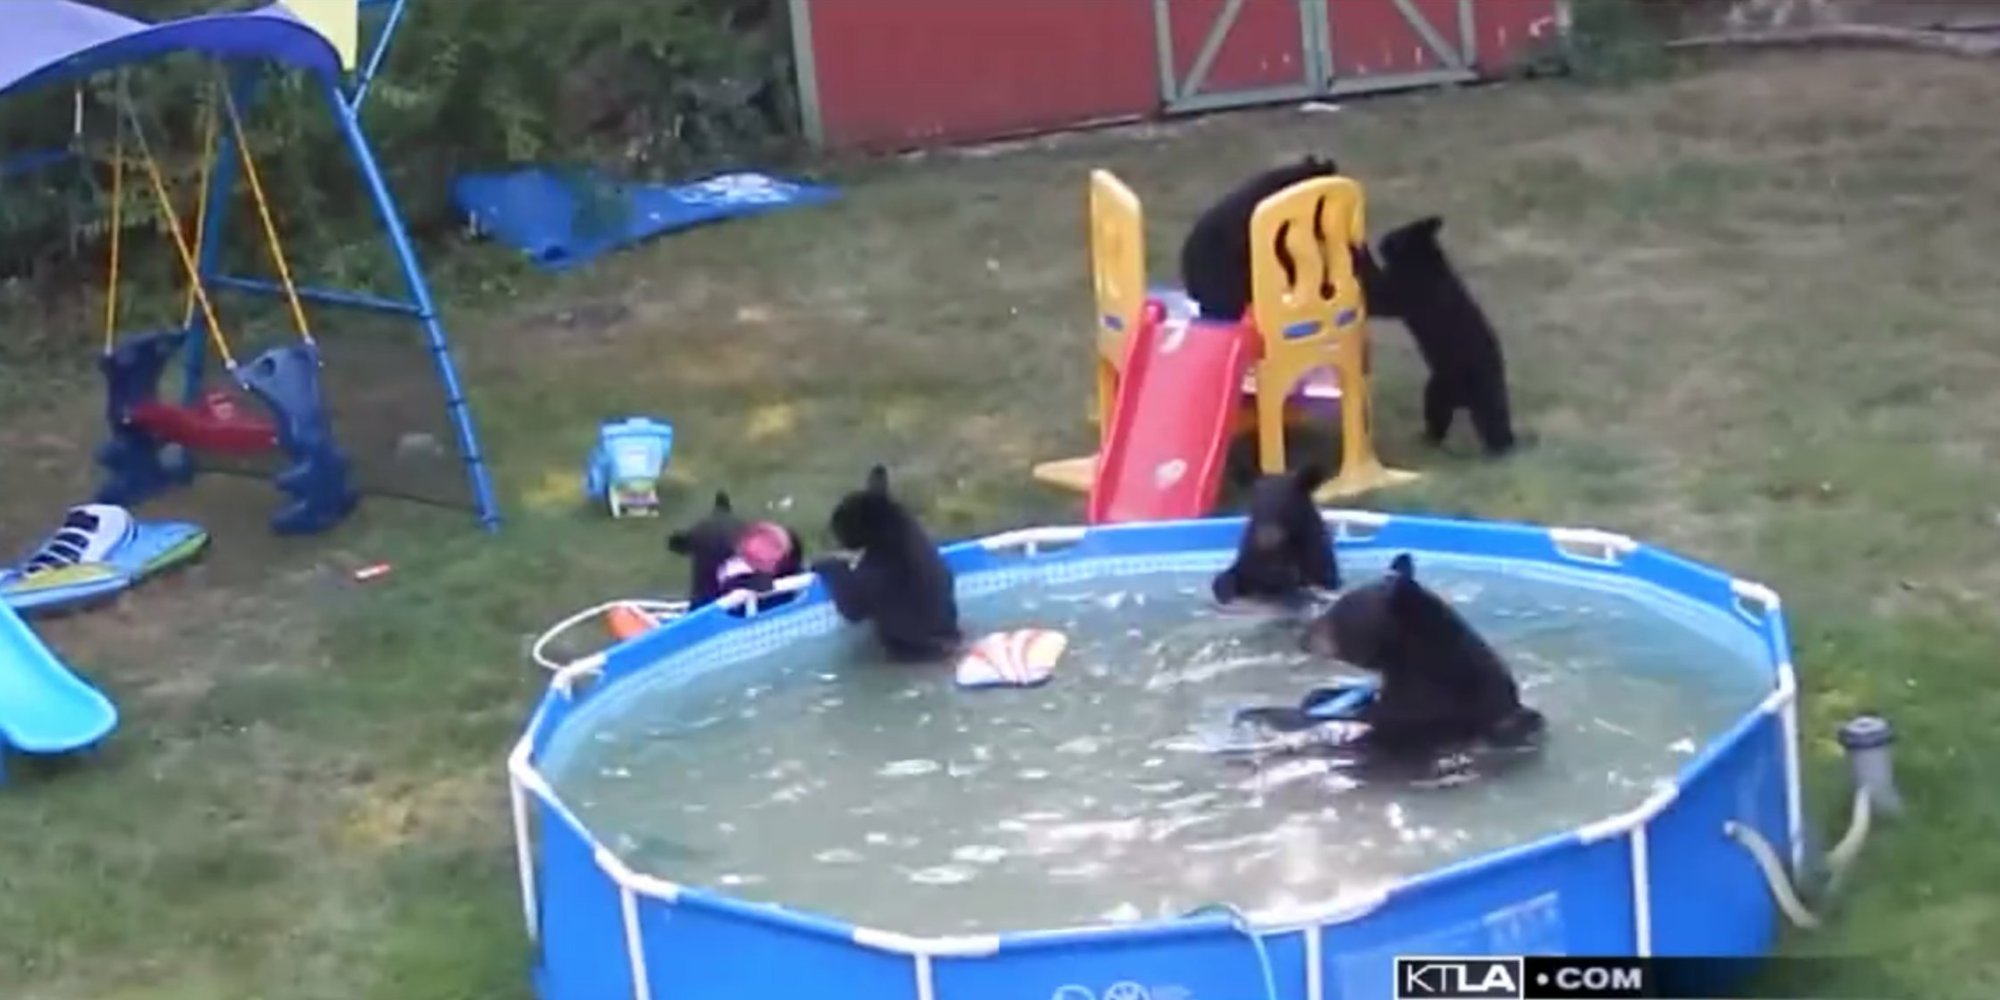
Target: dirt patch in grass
[1748,314]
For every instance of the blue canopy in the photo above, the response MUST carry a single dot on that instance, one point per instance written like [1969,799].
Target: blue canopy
[50,40]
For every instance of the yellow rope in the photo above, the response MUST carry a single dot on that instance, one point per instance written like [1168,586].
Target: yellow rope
[117,233]
[211,132]
[174,228]
[264,213]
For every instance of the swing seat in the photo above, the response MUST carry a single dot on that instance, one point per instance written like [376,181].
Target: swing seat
[217,423]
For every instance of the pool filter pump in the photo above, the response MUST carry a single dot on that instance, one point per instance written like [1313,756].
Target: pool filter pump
[1867,739]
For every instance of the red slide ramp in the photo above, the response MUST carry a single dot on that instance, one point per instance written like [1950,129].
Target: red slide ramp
[1169,437]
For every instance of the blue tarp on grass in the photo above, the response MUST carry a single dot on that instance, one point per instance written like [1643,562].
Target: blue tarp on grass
[561,219]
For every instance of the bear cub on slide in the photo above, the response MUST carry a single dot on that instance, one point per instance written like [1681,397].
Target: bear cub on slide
[726,553]
[1215,258]
[1442,687]
[1285,550]
[899,582]
[1457,342]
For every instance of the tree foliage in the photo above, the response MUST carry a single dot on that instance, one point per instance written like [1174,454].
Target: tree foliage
[639,87]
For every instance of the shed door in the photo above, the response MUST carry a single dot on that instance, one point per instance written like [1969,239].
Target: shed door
[1384,44]
[1226,53]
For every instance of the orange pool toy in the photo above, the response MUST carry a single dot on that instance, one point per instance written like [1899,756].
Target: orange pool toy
[626,621]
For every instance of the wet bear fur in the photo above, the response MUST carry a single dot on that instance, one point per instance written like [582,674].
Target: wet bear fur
[1442,688]
[1458,343]
[1215,258]
[712,543]
[1285,551]
[899,583]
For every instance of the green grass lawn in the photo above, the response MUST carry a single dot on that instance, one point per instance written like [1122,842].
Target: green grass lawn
[1749,315]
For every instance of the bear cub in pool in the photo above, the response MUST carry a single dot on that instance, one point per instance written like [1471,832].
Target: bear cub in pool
[900,583]
[1285,550]
[726,553]
[1442,688]
[1215,257]
[1458,344]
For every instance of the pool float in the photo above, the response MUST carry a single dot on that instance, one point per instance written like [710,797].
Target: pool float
[626,622]
[99,550]
[1018,658]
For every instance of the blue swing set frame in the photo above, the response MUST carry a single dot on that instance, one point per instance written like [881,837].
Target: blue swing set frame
[56,40]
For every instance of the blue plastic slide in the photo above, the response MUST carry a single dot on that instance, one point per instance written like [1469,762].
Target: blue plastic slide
[561,220]
[44,708]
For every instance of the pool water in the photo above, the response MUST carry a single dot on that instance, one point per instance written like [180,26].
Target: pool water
[824,779]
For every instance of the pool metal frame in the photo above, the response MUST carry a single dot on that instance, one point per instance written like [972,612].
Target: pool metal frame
[603,930]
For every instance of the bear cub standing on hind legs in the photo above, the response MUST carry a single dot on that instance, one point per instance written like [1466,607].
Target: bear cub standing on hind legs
[726,553]
[1442,689]
[1457,342]
[1215,258]
[1285,549]
[900,583]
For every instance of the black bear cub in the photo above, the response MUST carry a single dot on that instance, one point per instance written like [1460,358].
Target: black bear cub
[1215,258]
[726,553]
[899,583]
[1442,687]
[1285,549]
[1457,342]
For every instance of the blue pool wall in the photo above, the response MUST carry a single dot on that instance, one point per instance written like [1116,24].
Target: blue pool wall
[1661,879]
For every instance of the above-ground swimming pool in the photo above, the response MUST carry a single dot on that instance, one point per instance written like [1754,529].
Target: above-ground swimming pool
[1072,842]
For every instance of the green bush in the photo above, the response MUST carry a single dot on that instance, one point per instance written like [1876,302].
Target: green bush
[638,87]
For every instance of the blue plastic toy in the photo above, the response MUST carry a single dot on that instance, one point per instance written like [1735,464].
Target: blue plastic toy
[1341,703]
[137,465]
[286,380]
[562,219]
[624,469]
[45,708]
[142,461]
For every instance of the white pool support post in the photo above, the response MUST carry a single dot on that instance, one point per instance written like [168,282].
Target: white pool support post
[520,774]
[524,857]
[1310,923]
[1631,825]
[632,885]
[1785,699]
[923,950]
[1315,977]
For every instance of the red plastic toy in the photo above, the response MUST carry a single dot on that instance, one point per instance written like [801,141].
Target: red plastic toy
[217,422]
[1170,426]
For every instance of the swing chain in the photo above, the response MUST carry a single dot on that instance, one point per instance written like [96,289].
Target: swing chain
[187,252]
[129,124]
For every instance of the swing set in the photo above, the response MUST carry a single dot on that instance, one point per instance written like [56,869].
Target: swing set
[149,434]
[274,402]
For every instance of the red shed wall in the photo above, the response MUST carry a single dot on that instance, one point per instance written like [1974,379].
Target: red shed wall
[905,73]
[899,74]
[1373,38]
[1263,48]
